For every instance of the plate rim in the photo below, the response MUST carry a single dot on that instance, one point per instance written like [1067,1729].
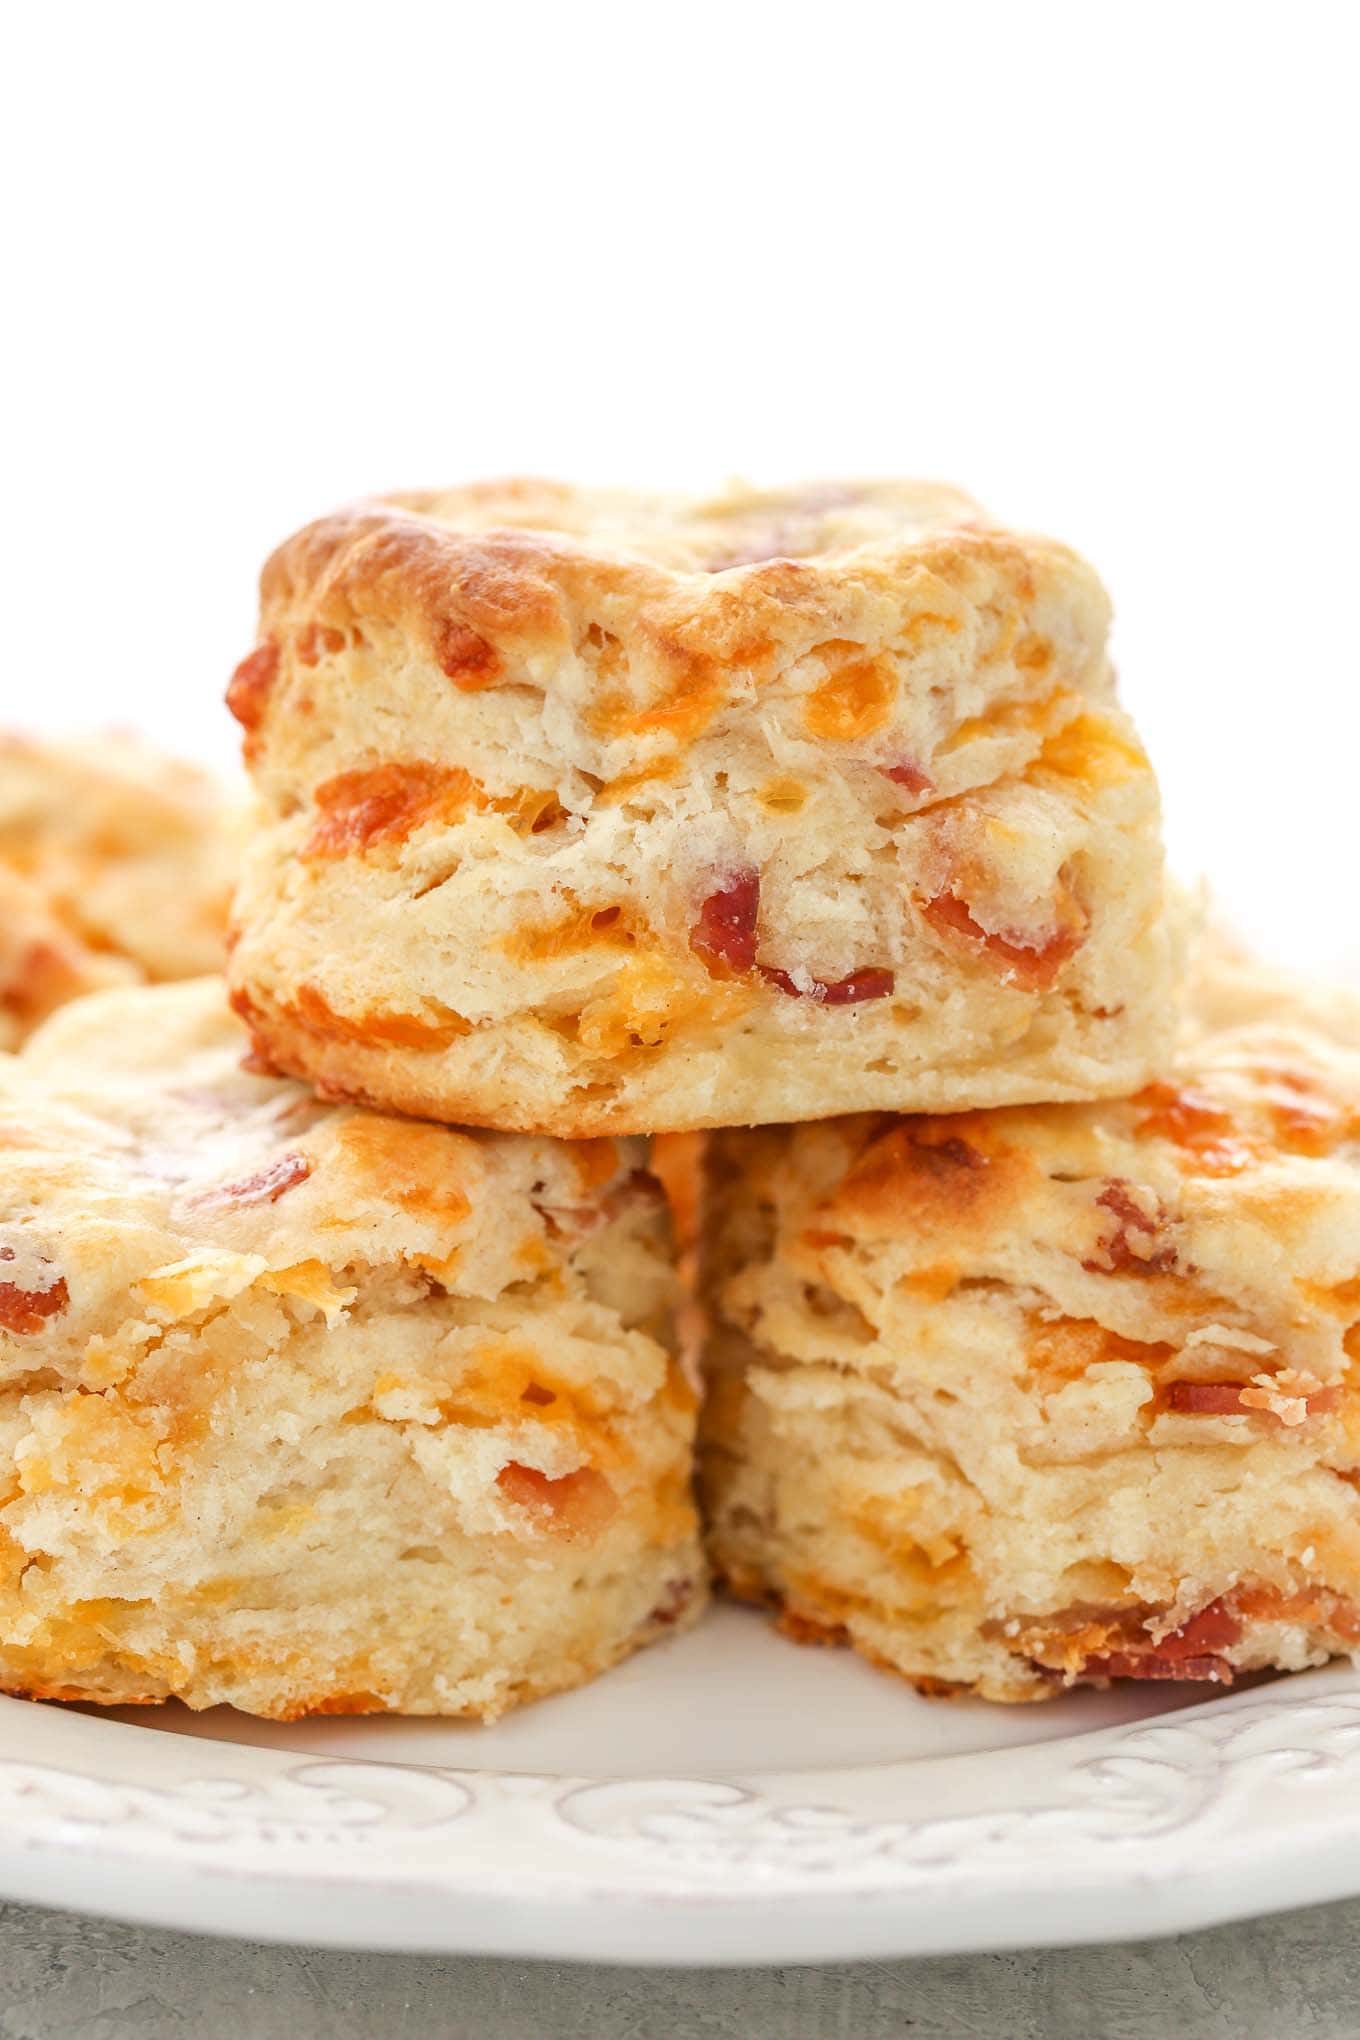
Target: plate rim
[1209,1812]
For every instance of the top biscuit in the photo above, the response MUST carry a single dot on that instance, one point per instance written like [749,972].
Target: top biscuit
[589,812]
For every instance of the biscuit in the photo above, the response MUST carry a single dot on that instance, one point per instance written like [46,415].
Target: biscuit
[313,1411]
[586,812]
[43,963]
[123,854]
[1021,1399]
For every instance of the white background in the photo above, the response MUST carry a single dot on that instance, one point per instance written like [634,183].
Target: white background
[1096,262]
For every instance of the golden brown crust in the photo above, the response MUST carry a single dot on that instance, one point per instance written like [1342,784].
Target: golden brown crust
[931,1179]
[483,595]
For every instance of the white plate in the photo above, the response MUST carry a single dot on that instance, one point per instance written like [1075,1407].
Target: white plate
[725,1798]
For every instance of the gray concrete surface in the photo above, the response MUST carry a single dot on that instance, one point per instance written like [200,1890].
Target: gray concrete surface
[69,1978]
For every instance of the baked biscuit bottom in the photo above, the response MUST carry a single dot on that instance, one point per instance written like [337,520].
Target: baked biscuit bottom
[1014,1401]
[309,1411]
[649,818]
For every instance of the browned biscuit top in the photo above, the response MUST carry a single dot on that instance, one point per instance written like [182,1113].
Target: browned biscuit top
[495,580]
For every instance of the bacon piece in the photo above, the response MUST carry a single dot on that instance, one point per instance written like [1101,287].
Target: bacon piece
[725,933]
[1215,1627]
[846,991]
[1035,964]
[1118,1665]
[27,1310]
[852,990]
[248,688]
[674,1601]
[725,937]
[468,660]
[1187,1653]
[1247,1399]
[1130,1248]
[576,1504]
[1205,1398]
[909,777]
[262,1186]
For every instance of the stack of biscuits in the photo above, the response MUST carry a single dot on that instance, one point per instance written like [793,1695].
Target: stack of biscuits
[339,1368]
